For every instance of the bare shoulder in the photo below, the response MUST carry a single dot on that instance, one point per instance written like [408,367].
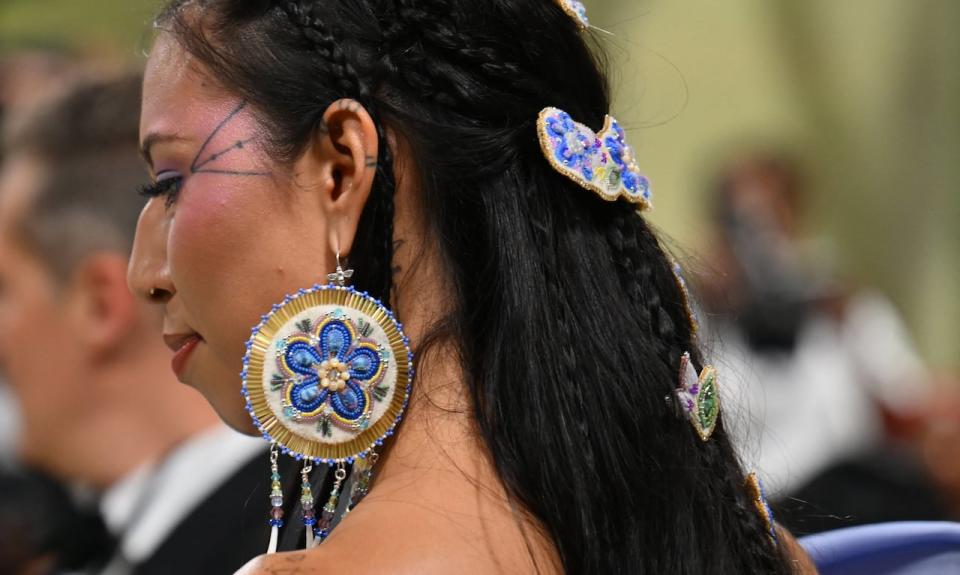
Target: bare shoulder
[400,538]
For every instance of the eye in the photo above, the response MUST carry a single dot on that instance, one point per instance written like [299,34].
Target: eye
[167,185]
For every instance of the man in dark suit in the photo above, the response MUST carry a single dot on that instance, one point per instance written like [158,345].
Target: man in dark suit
[99,405]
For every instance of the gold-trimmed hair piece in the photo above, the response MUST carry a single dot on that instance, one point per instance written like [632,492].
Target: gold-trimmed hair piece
[600,162]
[577,11]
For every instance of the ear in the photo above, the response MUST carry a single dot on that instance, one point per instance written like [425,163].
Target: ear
[101,304]
[343,163]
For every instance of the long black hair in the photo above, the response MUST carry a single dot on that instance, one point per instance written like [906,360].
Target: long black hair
[567,315]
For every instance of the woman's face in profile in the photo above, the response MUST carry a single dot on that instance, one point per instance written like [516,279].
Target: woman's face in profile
[230,232]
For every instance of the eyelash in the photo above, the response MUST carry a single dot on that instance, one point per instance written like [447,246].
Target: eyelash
[168,188]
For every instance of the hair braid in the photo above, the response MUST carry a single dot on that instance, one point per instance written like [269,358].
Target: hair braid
[642,265]
[643,269]
[306,18]
[377,256]
[379,277]
[440,59]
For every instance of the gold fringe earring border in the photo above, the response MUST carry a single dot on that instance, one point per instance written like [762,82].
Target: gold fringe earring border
[258,346]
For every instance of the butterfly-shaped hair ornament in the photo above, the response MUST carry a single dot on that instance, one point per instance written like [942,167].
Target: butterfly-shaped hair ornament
[602,162]
[698,397]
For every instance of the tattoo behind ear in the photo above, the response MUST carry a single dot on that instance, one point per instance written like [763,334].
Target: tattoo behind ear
[206,161]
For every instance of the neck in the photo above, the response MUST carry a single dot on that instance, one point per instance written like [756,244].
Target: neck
[437,454]
[437,439]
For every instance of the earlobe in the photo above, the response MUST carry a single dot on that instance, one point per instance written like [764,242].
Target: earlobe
[349,152]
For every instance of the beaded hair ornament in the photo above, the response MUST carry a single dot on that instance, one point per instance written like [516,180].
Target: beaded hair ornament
[698,396]
[758,496]
[601,162]
[605,164]
[576,10]
[326,378]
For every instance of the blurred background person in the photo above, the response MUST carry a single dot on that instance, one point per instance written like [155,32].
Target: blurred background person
[866,97]
[823,375]
[98,403]
[24,75]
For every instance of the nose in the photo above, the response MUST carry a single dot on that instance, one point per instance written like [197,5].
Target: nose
[148,274]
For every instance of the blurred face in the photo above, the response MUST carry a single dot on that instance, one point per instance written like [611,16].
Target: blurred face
[231,233]
[39,355]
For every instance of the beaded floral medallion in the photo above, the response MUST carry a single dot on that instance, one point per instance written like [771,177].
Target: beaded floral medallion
[327,374]
[759,498]
[601,162]
[699,396]
[577,11]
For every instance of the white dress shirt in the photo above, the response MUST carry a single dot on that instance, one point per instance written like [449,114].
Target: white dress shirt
[145,507]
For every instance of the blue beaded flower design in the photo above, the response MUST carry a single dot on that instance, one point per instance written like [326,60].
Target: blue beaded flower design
[327,374]
[603,163]
[578,148]
[577,11]
[622,155]
[330,370]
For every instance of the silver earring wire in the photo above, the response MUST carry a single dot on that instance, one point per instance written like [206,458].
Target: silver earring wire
[340,276]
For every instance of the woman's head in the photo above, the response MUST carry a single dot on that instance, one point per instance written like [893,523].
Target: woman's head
[236,228]
[566,316]
[256,117]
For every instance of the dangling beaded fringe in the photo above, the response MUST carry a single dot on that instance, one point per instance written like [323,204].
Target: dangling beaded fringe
[276,500]
[322,529]
[361,485]
[317,529]
[306,502]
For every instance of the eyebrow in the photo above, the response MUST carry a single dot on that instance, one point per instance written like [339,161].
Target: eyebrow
[154,138]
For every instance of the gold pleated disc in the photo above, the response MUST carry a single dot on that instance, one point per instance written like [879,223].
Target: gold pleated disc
[327,374]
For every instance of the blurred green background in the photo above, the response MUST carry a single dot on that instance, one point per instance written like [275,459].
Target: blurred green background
[865,92]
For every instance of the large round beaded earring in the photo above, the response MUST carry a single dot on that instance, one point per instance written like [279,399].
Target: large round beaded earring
[326,378]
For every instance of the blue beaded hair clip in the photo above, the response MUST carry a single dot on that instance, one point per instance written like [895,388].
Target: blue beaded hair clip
[577,11]
[601,162]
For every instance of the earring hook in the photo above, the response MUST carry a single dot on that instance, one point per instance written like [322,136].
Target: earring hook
[340,276]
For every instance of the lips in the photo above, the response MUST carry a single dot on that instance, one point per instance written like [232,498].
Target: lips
[182,346]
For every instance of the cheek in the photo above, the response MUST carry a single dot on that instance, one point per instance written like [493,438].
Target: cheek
[235,250]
